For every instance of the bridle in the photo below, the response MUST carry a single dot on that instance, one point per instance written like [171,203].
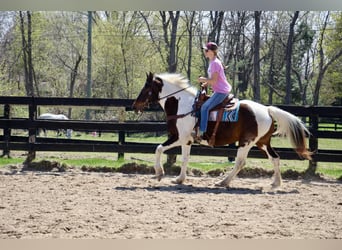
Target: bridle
[180,90]
[172,117]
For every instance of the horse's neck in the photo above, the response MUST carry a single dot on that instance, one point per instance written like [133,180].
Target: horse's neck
[185,98]
[168,89]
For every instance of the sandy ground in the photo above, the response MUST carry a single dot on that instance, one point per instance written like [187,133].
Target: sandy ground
[76,204]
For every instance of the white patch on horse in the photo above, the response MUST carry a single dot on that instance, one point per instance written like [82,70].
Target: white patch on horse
[50,116]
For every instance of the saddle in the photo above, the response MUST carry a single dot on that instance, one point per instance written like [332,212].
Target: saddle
[229,103]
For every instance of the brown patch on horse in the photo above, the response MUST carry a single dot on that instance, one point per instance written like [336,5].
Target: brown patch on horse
[244,130]
[171,108]
[266,140]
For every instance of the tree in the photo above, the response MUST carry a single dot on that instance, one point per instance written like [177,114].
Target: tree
[256,85]
[333,76]
[170,18]
[45,51]
[216,21]
[189,20]
[301,60]
[288,59]
[27,51]
[325,61]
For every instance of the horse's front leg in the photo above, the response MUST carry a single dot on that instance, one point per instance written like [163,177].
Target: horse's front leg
[158,167]
[185,158]
[159,170]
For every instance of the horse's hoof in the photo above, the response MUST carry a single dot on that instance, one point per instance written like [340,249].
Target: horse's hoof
[275,186]
[178,182]
[221,184]
[159,177]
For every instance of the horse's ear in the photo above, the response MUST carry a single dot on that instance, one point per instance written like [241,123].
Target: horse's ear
[149,76]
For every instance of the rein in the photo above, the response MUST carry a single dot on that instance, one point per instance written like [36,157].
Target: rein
[173,93]
[174,117]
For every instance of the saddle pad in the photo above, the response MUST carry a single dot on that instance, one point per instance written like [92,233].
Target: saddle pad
[228,115]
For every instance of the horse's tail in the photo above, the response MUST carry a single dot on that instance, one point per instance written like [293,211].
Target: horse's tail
[292,127]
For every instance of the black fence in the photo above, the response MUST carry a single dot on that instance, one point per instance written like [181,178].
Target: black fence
[31,143]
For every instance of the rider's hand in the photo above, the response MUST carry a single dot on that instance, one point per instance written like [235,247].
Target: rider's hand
[204,84]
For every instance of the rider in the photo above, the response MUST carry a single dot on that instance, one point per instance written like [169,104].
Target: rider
[218,82]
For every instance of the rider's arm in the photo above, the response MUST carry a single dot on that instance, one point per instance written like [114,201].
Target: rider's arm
[210,81]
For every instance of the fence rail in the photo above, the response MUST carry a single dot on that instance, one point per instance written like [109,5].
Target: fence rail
[32,143]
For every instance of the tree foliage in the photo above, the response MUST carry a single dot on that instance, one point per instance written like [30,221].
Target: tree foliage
[293,56]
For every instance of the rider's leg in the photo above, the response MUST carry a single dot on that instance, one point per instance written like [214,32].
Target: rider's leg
[214,100]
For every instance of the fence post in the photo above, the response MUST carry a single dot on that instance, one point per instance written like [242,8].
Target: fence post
[31,155]
[121,155]
[7,131]
[313,144]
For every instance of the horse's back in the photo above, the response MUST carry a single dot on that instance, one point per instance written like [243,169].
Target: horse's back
[261,114]
[260,111]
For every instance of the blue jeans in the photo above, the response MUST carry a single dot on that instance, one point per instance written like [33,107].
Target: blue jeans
[214,100]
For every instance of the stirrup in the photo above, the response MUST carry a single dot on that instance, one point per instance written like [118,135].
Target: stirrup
[197,138]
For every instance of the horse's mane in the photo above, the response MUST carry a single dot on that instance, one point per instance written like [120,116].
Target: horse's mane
[178,80]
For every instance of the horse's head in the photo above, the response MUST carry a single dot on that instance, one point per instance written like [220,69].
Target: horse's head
[149,93]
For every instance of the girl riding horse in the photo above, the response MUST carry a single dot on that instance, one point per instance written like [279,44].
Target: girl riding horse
[255,125]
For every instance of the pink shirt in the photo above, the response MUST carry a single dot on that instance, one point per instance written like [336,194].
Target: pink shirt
[222,85]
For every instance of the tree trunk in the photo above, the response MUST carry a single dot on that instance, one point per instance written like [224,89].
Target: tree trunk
[240,55]
[170,44]
[216,18]
[172,62]
[27,53]
[89,62]
[73,76]
[288,59]
[190,22]
[271,73]
[256,85]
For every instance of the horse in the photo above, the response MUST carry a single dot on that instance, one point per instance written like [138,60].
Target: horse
[49,116]
[255,126]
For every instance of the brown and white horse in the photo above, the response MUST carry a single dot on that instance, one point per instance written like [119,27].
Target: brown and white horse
[255,125]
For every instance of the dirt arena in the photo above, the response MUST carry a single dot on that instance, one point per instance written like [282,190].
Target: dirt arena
[77,204]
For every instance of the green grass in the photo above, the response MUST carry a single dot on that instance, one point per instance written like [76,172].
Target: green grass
[95,162]
[10,161]
[203,163]
[276,141]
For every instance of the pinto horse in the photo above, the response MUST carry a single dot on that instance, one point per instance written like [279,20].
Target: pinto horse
[255,126]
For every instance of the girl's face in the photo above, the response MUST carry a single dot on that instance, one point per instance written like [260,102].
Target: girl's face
[208,53]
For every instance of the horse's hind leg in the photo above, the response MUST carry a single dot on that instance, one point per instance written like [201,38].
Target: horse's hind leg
[239,163]
[274,158]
